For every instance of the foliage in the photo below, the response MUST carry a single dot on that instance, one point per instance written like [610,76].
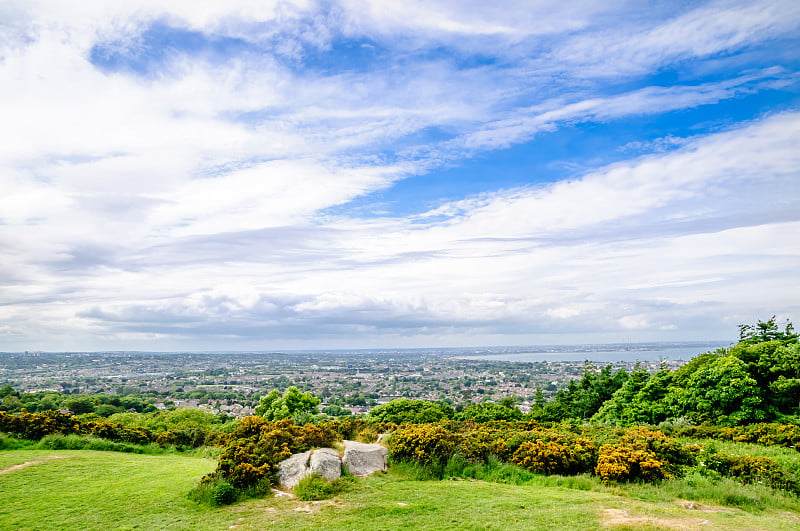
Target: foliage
[313,487]
[257,445]
[488,411]
[767,434]
[410,411]
[423,443]
[180,428]
[767,331]
[292,404]
[723,392]
[753,469]
[555,457]
[582,399]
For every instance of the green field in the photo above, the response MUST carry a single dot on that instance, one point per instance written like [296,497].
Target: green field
[105,490]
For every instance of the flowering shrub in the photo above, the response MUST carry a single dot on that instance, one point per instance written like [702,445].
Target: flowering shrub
[423,443]
[257,445]
[625,463]
[553,457]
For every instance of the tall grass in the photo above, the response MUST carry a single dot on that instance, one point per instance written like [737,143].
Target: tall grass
[58,441]
[696,485]
[11,443]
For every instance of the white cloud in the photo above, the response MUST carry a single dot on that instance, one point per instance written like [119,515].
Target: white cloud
[193,202]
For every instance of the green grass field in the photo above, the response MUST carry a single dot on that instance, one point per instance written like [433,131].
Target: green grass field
[84,490]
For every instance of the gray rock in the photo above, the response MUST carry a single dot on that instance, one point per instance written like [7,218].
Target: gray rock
[364,459]
[293,469]
[326,463]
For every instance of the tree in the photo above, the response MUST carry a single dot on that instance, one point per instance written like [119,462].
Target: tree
[767,331]
[413,411]
[293,403]
[487,411]
[723,393]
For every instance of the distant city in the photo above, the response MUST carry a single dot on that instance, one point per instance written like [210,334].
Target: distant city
[232,382]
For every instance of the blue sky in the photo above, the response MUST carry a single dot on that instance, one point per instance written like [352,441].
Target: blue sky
[354,174]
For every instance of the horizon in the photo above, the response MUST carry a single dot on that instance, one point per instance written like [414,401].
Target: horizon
[389,350]
[341,175]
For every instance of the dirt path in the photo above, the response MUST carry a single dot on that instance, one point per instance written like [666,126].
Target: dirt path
[31,463]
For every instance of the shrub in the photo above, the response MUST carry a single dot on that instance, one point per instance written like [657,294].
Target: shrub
[752,469]
[552,457]
[213,490]
[423,443]
[223,493]
[313,487]
[624,463]
[411,411]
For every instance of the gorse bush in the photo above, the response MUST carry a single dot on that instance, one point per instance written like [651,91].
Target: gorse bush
[625,463]
[258,445]
[423,443]
[180,428]
[554,457]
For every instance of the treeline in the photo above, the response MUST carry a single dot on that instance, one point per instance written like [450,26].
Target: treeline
[100,404]
[181,428]
[757,380]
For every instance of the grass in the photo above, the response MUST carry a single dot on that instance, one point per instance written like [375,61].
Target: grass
[109,490]
[103,490]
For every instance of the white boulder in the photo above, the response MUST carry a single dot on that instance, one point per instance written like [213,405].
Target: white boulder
[293,469]
[364,459]
[326,463]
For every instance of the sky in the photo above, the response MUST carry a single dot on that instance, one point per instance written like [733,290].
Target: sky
[256,175]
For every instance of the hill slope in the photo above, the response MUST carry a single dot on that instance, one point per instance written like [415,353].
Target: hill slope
[104,490]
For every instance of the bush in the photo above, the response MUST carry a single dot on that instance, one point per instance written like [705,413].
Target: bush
[313,487]
[753,469]
[223,494]
[213,490]
[554,457]
[424,443]
[625,463]
[410,411]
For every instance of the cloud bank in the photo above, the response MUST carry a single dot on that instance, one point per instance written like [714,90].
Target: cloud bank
[256,175]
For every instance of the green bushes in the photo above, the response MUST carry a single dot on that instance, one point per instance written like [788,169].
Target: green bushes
[74,441]
[752,469]
[410,411]
[313,487]
[182,429]
[213,491]
[768,434]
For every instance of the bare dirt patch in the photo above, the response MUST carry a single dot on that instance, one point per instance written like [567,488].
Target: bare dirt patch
[623,519]
[697,506]
[31,463]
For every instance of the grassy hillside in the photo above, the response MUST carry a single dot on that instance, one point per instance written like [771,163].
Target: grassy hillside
[104,490]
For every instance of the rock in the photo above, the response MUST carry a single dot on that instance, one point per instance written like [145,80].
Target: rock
[293,469]
[364,459]
[326,464]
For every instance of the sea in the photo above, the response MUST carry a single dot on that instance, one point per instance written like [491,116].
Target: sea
[603,353]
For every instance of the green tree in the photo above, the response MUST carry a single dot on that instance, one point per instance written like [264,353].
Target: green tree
[767,331]
[293,404]
[488,411]
[723,393]
[412,411]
